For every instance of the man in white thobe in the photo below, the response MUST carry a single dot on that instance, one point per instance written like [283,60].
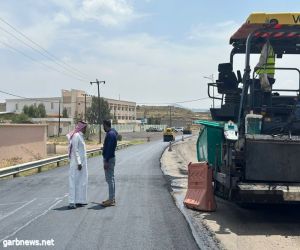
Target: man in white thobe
[78,174]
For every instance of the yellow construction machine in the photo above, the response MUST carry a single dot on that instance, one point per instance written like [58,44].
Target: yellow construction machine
[169,134]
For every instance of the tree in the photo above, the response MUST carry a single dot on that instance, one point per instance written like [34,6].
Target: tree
[35,112]
[25,109]
[92,112]
[41,111]
[65,113]
[154,120]
[32,111]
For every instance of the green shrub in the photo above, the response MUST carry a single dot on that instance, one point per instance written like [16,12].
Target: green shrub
[119,137]
[21,118]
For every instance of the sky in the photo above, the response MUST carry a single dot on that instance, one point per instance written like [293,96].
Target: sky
[148,51]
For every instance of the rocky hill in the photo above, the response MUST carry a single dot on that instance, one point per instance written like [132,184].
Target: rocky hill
[176,116]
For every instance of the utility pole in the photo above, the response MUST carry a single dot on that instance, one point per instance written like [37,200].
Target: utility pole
[58,119]
[85,95]
[99,106]
[85,107]
[170,116]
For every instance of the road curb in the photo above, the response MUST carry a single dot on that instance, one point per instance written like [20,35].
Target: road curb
[204,237]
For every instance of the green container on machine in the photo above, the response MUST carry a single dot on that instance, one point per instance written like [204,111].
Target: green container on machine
[210,141]
[253,124]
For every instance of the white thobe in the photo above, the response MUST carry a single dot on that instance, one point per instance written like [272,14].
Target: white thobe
[78,179]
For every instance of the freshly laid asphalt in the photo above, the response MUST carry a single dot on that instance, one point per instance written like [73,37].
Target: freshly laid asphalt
[145,216]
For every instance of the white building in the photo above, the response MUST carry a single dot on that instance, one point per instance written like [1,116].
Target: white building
[123,111]
[75,102]
[51,105]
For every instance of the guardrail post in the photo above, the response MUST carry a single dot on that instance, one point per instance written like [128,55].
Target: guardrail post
[39,169]
[17,175]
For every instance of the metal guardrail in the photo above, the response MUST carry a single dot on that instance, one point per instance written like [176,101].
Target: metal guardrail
[14,170]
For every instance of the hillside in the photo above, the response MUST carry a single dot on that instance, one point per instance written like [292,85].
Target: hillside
[161,115]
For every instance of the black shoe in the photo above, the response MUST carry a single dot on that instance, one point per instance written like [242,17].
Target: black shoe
[81,204]
[72,206]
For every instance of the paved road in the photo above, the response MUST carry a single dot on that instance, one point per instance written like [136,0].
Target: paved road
[35,207]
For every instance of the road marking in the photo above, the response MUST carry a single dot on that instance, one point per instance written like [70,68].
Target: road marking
[12,203]
[58,200]
[16,210]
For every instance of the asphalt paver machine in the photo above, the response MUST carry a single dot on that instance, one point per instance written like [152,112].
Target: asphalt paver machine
[253,140]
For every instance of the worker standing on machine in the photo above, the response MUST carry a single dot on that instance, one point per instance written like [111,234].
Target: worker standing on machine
[265,68]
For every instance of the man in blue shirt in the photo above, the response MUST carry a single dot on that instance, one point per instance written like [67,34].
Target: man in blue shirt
[109,161]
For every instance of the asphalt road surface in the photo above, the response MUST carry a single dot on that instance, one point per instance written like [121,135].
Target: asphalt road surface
[145,217]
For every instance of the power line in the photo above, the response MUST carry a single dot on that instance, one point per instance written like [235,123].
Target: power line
[43,54]
[195,100]
[45,65]
[169,103]
[43,49]
[165,103]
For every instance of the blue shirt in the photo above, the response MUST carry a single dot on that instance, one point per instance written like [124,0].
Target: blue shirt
[110,144]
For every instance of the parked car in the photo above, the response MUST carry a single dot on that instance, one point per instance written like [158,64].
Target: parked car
[179,129]
[152,129]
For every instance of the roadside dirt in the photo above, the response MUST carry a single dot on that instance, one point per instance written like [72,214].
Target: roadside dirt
[262,227]
[132,137]
[62,144]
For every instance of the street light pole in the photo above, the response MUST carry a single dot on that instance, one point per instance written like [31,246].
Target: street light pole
[99,106]
[211,77]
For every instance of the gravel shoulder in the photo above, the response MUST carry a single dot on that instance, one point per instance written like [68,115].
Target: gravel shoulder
[230,227]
